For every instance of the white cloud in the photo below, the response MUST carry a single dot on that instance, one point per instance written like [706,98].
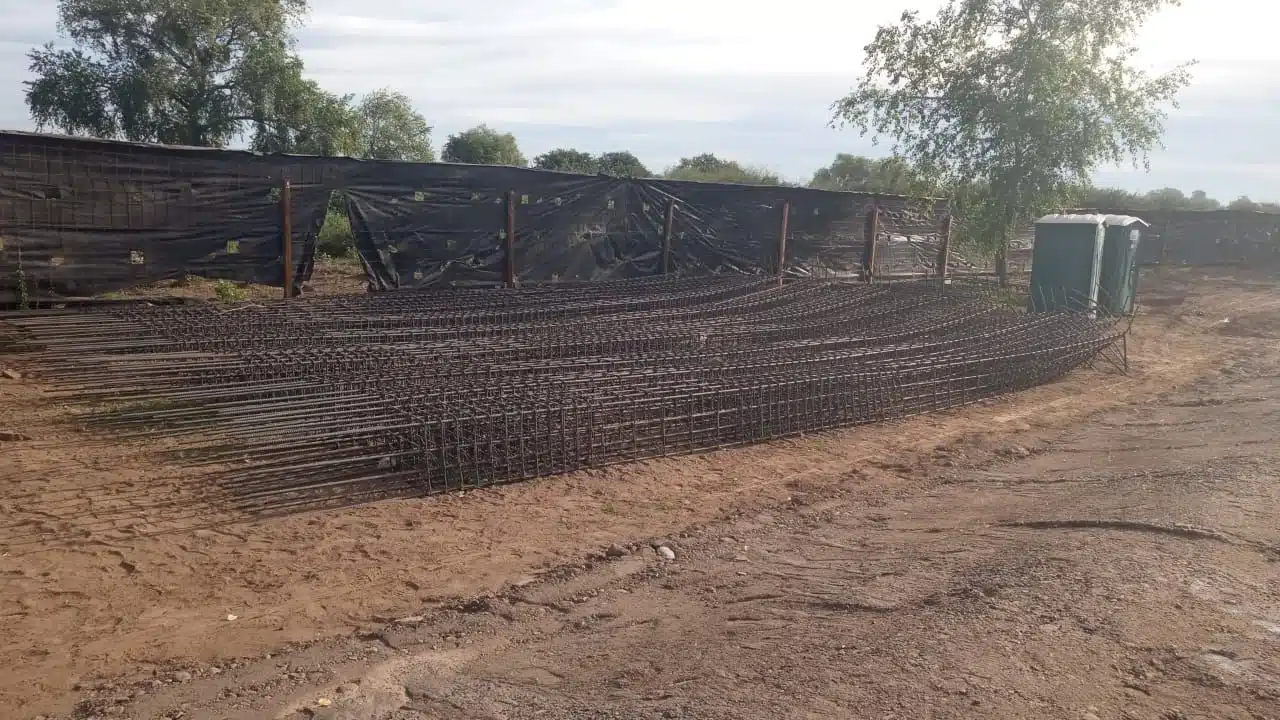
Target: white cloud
[668,78]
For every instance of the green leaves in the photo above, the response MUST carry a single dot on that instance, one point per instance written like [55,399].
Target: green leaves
[856,173]
[705,167]
[1244,204]
[302,118]
[567,160]
[1018,99]
[614,164]
[482,145]
[390,129]
[622,164]
[1161,199]
[203,72]
[709,168]
[190,72]
[72,93]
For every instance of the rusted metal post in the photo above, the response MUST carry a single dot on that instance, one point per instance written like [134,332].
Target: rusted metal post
[782,239]
[286,242]
[1233,250]
[1164,241]
[509,242]
[668,224]
[873,232]
[944,250]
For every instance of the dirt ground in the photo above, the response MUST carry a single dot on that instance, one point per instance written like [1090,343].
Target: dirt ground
[330,276]
[1107,546]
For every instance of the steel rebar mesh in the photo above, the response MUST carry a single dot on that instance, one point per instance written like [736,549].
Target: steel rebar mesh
[337,401]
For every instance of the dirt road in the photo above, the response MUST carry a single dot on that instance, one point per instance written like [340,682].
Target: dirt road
[1104,547]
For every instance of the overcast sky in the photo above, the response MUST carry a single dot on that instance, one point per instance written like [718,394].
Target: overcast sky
[671,78]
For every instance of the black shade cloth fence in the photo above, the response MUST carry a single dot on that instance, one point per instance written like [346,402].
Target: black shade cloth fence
[1208,237]
[82,216]
[1187,237]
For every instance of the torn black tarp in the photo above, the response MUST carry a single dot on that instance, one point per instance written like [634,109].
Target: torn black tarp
[432,223]
[719,228]
[428,224]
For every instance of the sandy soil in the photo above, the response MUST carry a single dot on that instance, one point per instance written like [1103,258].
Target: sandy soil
[1102,547]
[331,276]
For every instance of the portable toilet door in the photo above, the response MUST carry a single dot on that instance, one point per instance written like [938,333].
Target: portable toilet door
[1065,263]
[1118,279]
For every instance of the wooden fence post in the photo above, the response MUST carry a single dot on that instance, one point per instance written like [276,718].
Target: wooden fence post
[1233,252]
[782,239]
[944,250]
[286,215]
[668,224]
[1164,242]
[873,232]
[509,243]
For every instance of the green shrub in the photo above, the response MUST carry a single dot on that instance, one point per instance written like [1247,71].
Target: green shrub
[227,291]
[1011,297]
[335,239]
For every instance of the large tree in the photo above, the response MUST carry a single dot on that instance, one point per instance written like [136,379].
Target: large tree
[300,117]
[864,174]
[1107,198]
[1200,200]
[1168,198]
[194,72]
[709,168]
[567,160]
[622,164]
[310,121]
[390,129]
[1110,198]
[1243,203]
[482,145]
[1025,98]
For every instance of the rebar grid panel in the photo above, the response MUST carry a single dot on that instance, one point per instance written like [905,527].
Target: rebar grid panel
[336,401]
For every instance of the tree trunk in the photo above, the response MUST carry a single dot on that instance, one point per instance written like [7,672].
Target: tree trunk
[1002,262]
[1002,250]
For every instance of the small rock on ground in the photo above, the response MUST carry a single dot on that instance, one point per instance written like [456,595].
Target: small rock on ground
[666,553]
[615,551]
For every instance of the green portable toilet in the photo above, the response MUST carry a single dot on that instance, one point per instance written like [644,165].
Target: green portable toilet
[1083,263]
[1118,281]
[1065,262]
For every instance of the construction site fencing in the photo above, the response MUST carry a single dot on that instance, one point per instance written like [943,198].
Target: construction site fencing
[1186,237]
[1174,237]
[281,406]
[1208,237]
[81,216]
